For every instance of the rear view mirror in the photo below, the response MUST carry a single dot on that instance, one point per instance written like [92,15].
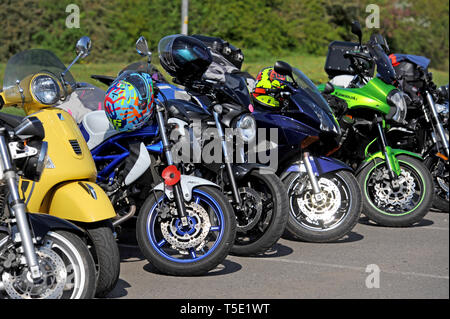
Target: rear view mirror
[83,47]
[142,47]
[356,30]
[283,68]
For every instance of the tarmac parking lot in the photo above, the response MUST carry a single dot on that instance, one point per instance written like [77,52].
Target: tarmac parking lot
[371,262]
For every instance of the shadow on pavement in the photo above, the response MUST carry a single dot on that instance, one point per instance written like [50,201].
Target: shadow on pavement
[277,250]
[422,223]
[226,267]
[348,238]
[119,290]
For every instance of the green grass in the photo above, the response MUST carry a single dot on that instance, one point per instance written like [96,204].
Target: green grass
[312,66]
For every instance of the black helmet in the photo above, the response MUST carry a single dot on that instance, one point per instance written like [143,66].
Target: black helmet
[184,57]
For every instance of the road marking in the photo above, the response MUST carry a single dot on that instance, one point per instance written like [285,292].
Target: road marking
[363,269]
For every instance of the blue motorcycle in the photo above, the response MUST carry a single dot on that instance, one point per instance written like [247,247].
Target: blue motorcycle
[324,196]
[185,225]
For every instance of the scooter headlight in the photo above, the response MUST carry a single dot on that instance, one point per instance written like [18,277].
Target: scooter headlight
[246,127]
[397,100]
[45,89]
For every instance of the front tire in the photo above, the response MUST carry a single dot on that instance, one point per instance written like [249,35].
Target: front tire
[396,208]
[270,204]
[329,219]
[440,171]
[190,251]
[106,256]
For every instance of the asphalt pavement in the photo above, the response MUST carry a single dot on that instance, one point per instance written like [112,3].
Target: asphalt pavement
[371,262]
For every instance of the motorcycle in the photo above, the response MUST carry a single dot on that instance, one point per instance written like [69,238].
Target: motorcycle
[41,256]
[324,197]
[426,131]
[214,116]
[36,80]
[395,184]
[185,225]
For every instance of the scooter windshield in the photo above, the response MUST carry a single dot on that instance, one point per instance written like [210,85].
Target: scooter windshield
[385,70]
[22,66]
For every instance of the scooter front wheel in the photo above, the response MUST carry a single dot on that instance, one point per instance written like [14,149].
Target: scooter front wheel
[190,250]
[403,205]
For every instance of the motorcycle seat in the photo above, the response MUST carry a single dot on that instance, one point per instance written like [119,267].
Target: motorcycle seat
[96,128]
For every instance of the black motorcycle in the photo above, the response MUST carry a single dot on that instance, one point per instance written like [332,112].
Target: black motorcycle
[426,132]
[214,116]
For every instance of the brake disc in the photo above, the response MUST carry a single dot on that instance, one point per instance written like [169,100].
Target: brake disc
[20,285]
[251,211]
[386,195]
[191,237]
[325,209]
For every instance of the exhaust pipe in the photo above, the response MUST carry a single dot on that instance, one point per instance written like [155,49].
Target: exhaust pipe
[126,217]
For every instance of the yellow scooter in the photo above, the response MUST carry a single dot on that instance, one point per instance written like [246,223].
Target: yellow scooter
[36,80]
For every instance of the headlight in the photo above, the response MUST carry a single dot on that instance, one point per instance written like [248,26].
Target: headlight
[45,89]
[396,99]
[246,127]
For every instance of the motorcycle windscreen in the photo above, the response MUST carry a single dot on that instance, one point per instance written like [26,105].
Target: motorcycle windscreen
[22,66]
[310,96]
[236,88]
[385,70]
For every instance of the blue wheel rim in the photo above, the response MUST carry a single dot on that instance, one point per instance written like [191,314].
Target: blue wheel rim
[206,201]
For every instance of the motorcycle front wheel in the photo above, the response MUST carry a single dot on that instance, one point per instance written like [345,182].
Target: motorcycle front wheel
[402,206]
[67,268]
[440,171]
[186,250]
[325,219]
[264,213]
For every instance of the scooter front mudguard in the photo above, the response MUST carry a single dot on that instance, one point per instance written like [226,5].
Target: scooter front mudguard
[320,165]
[188,183]
[41,224]
[80,201]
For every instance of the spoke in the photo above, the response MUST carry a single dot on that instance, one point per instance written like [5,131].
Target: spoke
[161,243]
[192,253]
[197,199]
[215,228]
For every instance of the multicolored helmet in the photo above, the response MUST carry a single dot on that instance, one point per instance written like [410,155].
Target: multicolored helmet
[267,79]
[129,101]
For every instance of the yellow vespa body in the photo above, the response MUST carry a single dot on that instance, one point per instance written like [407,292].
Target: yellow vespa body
[67,186]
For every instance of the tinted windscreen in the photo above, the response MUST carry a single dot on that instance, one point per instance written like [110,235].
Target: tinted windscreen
[308,87]
[385,70]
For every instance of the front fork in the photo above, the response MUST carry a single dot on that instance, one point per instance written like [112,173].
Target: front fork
[237,197]
[391,162]
[18,208]
[178,196]
[437,123]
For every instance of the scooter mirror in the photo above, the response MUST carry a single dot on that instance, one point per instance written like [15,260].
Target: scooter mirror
[83,47]
[142,47]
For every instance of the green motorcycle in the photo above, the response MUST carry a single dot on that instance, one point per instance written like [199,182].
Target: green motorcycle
[397,187]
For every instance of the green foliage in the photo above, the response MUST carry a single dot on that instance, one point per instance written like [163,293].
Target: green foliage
[262,28]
